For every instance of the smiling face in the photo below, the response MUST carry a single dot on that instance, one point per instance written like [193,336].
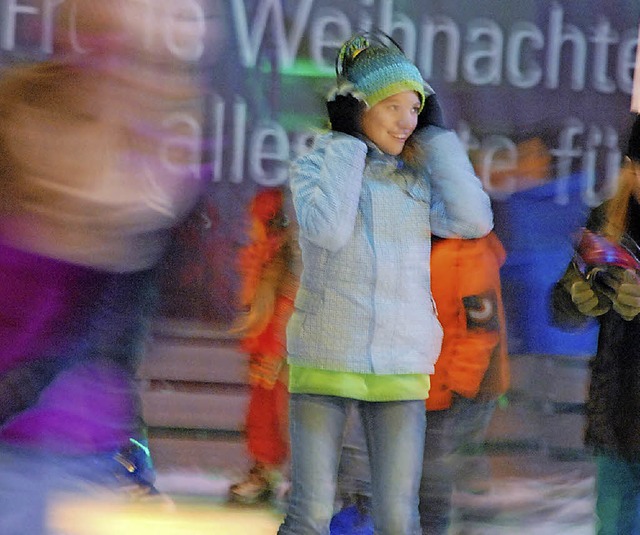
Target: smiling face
[391,121]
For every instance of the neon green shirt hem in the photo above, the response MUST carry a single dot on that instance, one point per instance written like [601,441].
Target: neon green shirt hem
[362,386]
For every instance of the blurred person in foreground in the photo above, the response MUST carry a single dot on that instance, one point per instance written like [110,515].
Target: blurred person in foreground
[86,209]
[267,265]
[603,282]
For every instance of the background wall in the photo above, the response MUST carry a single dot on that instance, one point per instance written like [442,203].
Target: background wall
[539,91]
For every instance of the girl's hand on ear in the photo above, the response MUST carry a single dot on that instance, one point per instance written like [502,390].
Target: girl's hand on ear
[345,114]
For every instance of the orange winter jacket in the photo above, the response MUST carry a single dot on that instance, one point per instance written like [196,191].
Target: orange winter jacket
[465,281]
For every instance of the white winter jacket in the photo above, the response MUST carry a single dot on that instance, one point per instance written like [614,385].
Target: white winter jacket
[364,303]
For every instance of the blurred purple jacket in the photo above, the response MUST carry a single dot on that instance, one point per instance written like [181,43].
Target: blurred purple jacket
[88,404]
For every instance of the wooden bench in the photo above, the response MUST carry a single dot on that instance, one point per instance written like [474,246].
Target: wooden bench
[195,395]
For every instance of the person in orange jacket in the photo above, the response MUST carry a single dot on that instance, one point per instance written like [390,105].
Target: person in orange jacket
[471,373]
[269,283]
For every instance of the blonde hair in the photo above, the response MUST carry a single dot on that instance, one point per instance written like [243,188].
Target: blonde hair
[618,206]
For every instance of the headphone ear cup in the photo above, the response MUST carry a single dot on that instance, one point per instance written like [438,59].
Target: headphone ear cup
[345,114]
[431,113]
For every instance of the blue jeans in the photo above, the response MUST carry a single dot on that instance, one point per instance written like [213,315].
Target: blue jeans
[395,440]
[618,496]
[453,456]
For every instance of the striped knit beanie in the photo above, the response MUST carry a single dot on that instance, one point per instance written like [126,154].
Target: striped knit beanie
[377,70]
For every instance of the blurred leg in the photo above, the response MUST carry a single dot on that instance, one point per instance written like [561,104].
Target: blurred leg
[618,492]
[264,433]
[267,445]
[454,456]
[31,484]
[436,484]
[281,393]
[468,428]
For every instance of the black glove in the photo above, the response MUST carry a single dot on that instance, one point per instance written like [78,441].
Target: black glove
[431,113]
[345,114]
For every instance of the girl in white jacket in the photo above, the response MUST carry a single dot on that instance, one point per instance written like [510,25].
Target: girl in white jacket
[364,331]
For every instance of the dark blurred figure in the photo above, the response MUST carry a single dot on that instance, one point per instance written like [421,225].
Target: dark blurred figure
[603,282]
[93,181]
[472,371]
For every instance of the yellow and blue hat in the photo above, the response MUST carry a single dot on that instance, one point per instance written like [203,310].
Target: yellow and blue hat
[377,70]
